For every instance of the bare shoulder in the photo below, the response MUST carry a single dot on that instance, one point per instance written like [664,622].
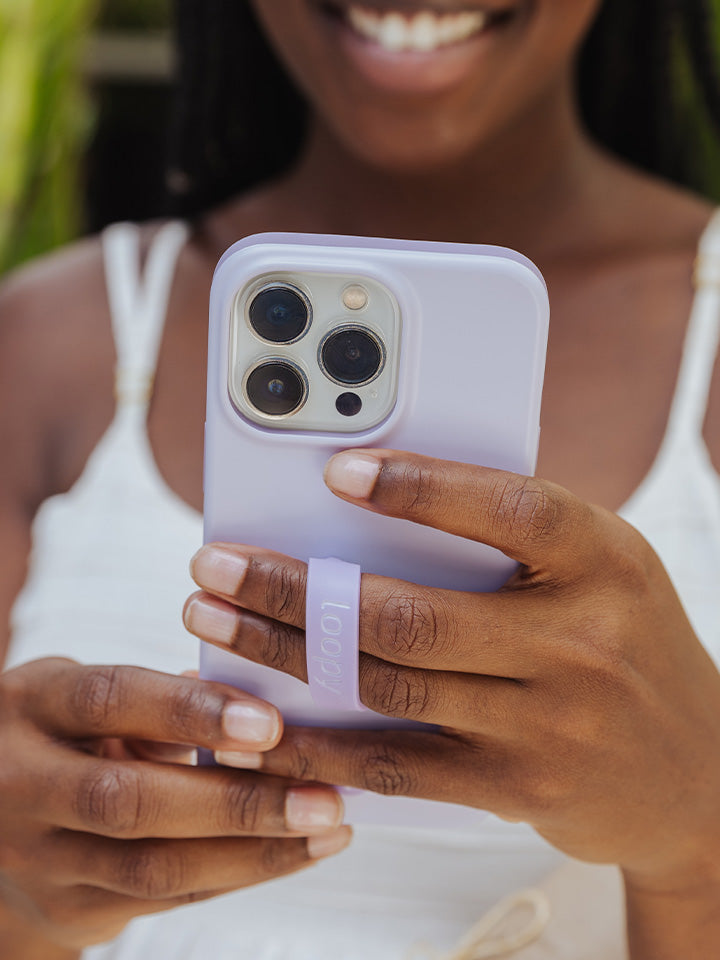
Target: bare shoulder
[57,357]
[657,214]
[689,215]
[56,361]
[674,220]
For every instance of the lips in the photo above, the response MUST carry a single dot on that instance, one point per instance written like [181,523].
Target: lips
[404,28]
[424,48]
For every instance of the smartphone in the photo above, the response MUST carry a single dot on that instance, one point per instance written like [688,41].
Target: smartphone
[324,343]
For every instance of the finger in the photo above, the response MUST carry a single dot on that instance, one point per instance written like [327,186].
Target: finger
[269,583]
[537,523]
[133,800]
[77,702]
[158,870]
[446,698]
[431,766]
[163,752]
[508,634]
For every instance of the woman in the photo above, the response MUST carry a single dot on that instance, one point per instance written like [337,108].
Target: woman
[579,700]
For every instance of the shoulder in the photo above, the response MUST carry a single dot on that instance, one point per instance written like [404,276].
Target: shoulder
[682,218]
[687,217]
[655,215]
[57,358]
[55,352]
[666,223]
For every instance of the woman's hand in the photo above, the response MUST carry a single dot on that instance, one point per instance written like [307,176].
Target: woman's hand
[91,838]
[577,698]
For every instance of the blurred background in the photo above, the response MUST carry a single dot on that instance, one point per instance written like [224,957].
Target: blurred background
[86,93]
[85,96]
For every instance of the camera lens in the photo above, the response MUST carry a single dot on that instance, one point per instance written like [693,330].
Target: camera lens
[352,355]
[276,388]
[279,314]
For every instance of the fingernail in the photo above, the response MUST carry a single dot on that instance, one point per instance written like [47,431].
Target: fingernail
[312,809]
[241,761]
[250,723]
[221,571]
[352,474]
[328,844]
[211,621]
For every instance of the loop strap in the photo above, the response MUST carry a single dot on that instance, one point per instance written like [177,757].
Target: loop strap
[480,943]
[332,627]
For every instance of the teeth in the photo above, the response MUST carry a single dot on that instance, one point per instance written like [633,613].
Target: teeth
[365,22]
[393,34]
[423,32]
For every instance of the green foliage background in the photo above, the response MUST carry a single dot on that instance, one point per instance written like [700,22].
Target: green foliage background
[43,120]
[46,116]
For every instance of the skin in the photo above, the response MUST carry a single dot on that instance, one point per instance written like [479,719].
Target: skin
[617,249]
[583,668]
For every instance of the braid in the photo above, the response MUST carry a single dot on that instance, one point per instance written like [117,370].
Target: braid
[240,120]
[626,85]
[235,105]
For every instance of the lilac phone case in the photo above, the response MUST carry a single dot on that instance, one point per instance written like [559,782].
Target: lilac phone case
[474,336]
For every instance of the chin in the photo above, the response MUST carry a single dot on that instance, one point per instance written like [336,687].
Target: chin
[397,145]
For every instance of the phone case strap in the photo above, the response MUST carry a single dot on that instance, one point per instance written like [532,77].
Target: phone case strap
[332,633]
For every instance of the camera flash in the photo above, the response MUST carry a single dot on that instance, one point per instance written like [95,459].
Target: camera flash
[355,297]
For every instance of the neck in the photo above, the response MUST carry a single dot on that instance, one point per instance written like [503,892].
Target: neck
[523,189]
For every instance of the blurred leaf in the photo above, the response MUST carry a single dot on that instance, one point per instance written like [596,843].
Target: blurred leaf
[44,120]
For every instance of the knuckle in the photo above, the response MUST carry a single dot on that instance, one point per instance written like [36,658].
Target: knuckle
[542,791]
[277,857]
[282,599]
[278,647]
[418,490]
[243,807]
[594,647]
[396,691]
[572,725]
[633,563]
[410,625]
[109,799]
[148,872]
[297,756]
[187,711]
[98,696]
[385,772]
[527,510]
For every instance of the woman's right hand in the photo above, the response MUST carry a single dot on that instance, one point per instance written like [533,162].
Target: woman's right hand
[91,837]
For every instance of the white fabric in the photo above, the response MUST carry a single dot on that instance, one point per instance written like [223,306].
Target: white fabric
[108,580]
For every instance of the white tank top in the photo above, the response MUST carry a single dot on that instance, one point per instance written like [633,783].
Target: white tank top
[107,583]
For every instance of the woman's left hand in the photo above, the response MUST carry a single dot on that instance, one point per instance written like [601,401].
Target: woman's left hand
[577,698]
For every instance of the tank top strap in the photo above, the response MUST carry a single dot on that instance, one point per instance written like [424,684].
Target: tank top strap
[138,304]
[689,405]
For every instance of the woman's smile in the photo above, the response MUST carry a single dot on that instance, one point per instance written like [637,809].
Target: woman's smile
[416,47]
[418,85]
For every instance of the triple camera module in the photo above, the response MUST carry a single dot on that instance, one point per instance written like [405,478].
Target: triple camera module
[321,352]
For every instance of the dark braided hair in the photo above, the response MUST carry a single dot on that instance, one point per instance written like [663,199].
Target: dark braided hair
[648,87]
[239,119]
